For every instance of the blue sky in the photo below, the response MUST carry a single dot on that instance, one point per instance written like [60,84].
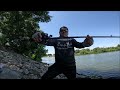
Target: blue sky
[81,23]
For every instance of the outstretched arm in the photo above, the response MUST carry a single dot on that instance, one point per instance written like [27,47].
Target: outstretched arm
[77,44]
[86,43]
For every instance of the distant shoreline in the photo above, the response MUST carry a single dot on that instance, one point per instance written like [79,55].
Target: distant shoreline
[86,54]
[95,53]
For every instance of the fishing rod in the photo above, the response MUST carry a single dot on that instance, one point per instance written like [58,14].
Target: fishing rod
[45,36]
[86,36]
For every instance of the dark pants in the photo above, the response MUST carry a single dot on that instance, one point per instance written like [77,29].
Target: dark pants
[55,69]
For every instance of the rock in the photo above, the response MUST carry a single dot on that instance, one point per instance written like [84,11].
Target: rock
[16,66]
[9,74]
[1,70]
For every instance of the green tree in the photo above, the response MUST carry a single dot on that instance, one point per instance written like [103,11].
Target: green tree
[97,50]
[18,27]
[38,53]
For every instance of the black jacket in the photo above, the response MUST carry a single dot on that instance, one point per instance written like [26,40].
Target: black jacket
[64,50]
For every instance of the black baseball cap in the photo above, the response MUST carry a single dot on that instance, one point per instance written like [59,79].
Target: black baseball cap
[63,28]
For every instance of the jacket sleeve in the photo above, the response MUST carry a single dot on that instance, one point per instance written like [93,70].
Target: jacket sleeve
[77,44]
[50,42]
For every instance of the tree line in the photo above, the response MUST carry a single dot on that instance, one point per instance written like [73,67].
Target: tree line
[97,50]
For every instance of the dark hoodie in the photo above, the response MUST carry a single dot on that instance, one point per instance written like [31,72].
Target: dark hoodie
[64,50]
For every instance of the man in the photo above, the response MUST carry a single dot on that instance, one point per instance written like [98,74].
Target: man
[64,53]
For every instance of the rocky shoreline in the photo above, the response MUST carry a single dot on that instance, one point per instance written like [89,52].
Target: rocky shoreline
[17,66]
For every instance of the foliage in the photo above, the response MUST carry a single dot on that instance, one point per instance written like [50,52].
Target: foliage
[17,28]
[38,53]
[97,50]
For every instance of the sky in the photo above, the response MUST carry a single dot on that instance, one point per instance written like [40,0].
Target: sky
[82,23]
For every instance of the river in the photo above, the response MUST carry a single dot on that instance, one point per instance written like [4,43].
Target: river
[105,64]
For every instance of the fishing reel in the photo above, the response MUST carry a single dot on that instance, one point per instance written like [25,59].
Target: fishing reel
[45,36]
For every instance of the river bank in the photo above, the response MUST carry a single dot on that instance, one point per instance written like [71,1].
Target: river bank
[16,66]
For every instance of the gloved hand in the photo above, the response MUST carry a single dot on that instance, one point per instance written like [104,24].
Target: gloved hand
[37,37]
[88,41]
